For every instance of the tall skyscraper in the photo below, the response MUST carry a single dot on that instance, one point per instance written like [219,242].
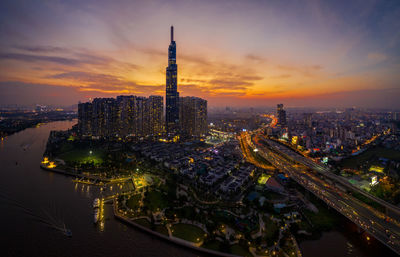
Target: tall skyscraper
[172,94]
[281,113]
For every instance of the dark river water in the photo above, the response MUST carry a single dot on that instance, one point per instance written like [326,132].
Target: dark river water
[31,198]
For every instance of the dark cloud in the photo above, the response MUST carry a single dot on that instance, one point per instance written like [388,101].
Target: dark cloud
[82,76]
[16,92]
[63,56]
[89,81]
[41,49]
[255,58]
[39,58]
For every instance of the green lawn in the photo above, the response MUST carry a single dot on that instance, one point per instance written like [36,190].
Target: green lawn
[83,155]
[240,250]
[156,200]
[143,222]
[133,202]
[188,232]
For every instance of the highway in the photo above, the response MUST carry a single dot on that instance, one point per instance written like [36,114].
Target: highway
[369,219]
[289,153]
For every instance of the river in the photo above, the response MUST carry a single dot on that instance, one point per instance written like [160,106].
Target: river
[28,191]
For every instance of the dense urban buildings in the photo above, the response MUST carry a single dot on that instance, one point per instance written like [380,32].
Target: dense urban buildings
[172,94]
[136,116]
[193,116]
[121,117]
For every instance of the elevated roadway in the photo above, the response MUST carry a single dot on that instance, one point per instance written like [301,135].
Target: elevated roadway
[369,219]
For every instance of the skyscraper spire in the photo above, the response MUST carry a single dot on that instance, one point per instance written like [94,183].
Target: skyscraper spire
[172,94]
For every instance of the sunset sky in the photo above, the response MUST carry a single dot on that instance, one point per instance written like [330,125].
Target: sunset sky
[232,53]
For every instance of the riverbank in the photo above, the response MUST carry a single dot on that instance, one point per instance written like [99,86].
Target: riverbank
[73,174]
[46,193]
[173,240]
[16,122]
[120,217]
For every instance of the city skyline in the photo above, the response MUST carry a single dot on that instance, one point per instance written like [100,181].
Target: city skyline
[279,134]
[241,53]
[136,116]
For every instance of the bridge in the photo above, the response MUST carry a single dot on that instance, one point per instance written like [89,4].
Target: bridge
[376,223]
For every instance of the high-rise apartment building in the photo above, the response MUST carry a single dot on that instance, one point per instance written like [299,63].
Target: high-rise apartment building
[193,116]
[281,113]
[85,116]
[102,115]
[125,116]
[155,105]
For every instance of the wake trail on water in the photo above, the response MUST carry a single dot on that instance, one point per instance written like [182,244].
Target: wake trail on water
[46,219]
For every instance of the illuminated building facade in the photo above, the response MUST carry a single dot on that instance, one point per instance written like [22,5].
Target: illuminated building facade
[281,113]
[193,116]
[155,115]
[125,116]
[85,116]
[172,94]
[103,114]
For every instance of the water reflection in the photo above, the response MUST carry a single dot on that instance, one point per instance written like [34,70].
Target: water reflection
[349,249]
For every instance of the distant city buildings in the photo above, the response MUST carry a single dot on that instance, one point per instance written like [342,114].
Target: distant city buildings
[335,133]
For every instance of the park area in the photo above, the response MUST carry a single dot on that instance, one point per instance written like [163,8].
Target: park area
[86,155]
[133,202]
[188,232]
[155,200]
